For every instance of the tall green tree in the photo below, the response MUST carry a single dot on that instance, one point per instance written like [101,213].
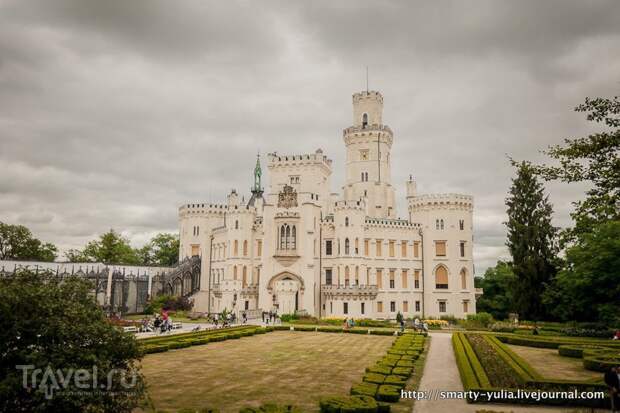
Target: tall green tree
[165,249]
[593,159]
[57,326]
[497,284]
[531,241]
[18,243]
[588,287]
[110,248]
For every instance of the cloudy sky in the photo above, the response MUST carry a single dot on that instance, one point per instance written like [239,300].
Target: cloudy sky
[113,113]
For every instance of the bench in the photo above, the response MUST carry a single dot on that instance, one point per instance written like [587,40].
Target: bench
[177,325]
[130,329]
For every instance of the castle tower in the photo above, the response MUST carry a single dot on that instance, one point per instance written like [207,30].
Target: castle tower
[369,142]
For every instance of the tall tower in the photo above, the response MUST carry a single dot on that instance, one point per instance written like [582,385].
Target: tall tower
[368,142]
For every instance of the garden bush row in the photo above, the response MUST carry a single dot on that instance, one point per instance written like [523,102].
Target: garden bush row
[384,380]
[174,342]
[323,329]
[475,378]
[552,341]
[595,357]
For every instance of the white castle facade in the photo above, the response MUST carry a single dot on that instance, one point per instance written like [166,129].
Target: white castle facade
[298,247]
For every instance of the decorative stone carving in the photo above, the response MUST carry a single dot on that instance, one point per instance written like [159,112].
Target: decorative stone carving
[287,198]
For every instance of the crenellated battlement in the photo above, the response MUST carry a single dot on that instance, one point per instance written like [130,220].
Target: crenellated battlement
[317,158]
[213,210]
[441,201]
[367,95]
[390,223]
[359,205]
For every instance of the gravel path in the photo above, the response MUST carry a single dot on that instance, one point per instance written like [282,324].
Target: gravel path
[441,374]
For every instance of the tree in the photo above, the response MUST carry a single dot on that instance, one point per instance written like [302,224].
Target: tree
[162,249]
[588,287]
[531,241]
[497,298]
[593,159]
[110,248]
[17,243]
[58,327]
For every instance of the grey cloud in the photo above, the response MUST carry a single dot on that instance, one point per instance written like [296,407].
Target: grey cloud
[114,113]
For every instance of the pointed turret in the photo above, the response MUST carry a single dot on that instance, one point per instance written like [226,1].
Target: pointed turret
[257,189]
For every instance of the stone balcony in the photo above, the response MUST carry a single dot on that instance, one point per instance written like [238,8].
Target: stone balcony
[286,257]
[352,291]
[250,290]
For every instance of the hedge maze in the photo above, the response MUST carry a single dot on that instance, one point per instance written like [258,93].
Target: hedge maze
[487,364]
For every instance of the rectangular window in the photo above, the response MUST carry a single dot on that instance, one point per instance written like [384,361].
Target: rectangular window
[417,306]
[462,247]
[379,279]
[465,306]
[363,308]
[366,247]
[259,247]
[392,306]
[403,249]
[442,306]
[416,279]
[378,246]
[391,244]
[461,224]
[440,248]
[328,247]
[247,305]
[345,308]
[405,306]
[404,278]
[416,250]
[392,279]
[195,250]
[328,276]
[379,306]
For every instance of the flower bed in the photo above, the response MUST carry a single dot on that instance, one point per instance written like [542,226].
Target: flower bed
[499,362]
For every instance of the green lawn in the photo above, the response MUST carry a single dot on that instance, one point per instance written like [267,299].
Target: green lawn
[282,367]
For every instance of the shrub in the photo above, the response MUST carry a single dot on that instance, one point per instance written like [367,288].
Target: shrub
[388,393]
[396,380]
[482,319]
[287,318]
[499,372]
[364,389]
[402,371]
[584,332]
[382,332]
[601,361]
[271,408]
[449,318]
[380,369]
[577,351]
[348,404]
[374,378]
[502,327]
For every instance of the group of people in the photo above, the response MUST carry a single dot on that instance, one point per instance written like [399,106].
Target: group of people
[348,323]
[270,317]
[224,320]
[162,323]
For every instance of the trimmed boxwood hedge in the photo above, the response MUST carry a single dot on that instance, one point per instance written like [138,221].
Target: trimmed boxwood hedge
[348,404]
[380,369]
[365,389]
[388,393]
[470,380]
[374,378]
[601,361]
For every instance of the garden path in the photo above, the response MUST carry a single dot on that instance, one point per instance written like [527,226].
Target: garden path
[441,373]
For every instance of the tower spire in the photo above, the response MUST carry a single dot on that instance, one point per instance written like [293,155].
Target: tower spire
[257,175]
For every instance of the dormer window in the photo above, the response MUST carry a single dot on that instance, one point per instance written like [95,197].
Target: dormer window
[364,120]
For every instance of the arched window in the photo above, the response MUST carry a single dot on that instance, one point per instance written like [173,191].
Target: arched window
[236,224]
[236,248]
[288,238]
[283,237]
[464,279]
[357,275]
[294,238]
[441,223]
[244,277]
[346,246]
[245,248]
[364,120]
[346,276]
[436,224]
[235,272]
[346,221]
[441,278]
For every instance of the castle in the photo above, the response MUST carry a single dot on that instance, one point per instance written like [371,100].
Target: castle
[298,247]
